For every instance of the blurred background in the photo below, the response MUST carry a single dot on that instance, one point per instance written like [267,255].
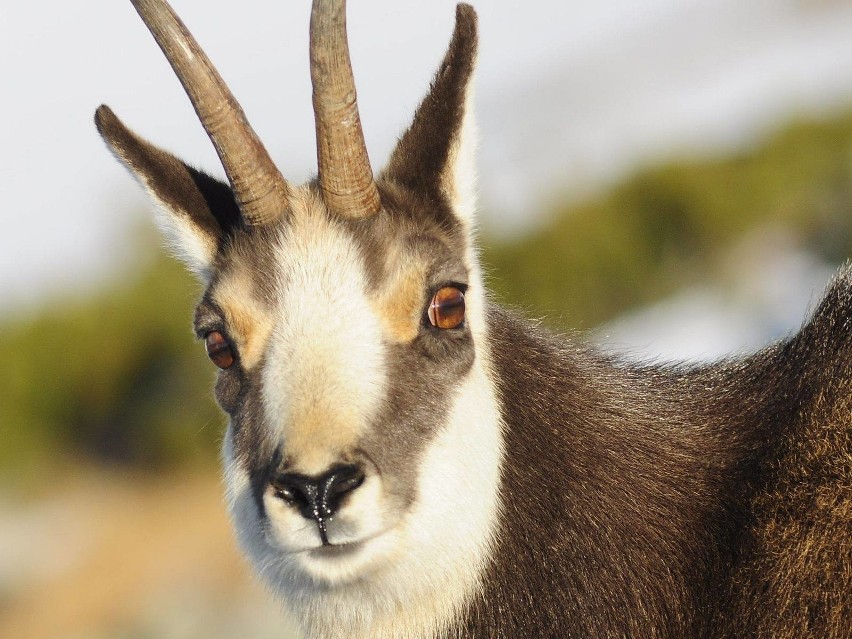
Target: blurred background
[673,178]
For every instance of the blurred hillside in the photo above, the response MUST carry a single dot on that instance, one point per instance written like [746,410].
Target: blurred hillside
[118,378]
[673,225]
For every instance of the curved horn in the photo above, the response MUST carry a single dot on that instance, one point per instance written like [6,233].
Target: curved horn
[259,187]
[344,167]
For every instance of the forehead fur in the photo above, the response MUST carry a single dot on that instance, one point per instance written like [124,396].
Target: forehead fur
[325,369]
[314,302]
[411,245]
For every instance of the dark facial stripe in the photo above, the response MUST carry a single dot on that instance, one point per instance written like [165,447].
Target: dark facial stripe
[422,374]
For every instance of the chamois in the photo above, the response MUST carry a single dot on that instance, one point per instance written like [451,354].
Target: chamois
[404,458]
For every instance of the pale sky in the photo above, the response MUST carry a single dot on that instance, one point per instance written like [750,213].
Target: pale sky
[570,94]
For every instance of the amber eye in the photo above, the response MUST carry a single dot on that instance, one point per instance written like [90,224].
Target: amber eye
[219,349]
[446,310]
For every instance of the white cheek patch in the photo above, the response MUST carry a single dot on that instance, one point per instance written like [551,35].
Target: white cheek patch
[445,540]
[325,375]
[414,581]
[451,528]
[242,507]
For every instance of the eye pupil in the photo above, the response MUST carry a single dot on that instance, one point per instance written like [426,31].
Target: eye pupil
[446,309]
[219,349]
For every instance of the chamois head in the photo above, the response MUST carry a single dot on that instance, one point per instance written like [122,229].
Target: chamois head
[347,318]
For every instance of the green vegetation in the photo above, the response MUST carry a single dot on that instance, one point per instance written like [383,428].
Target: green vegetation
[667,226]
[119,379]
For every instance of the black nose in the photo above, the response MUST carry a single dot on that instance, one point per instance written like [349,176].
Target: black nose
[319,497]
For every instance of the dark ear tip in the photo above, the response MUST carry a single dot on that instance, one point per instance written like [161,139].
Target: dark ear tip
[464,40]
[113,130]
[465,14]
[105,119]
[465,32]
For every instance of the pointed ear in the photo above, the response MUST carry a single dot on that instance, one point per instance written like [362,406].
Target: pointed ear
[436,154]
[196,211]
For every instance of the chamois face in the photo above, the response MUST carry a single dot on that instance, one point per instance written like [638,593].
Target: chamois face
[337,363]
[363,448]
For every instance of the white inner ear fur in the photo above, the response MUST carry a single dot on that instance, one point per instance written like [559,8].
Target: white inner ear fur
[459,181]
[186,241]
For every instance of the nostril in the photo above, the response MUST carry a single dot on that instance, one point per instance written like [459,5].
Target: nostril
[295,489]
[284,492]
[317,497]
[345,481]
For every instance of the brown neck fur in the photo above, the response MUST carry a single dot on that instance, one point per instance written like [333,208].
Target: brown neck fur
[645,502]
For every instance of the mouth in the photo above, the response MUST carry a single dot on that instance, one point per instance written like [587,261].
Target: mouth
[335,551]
[346,560]
[329,551]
